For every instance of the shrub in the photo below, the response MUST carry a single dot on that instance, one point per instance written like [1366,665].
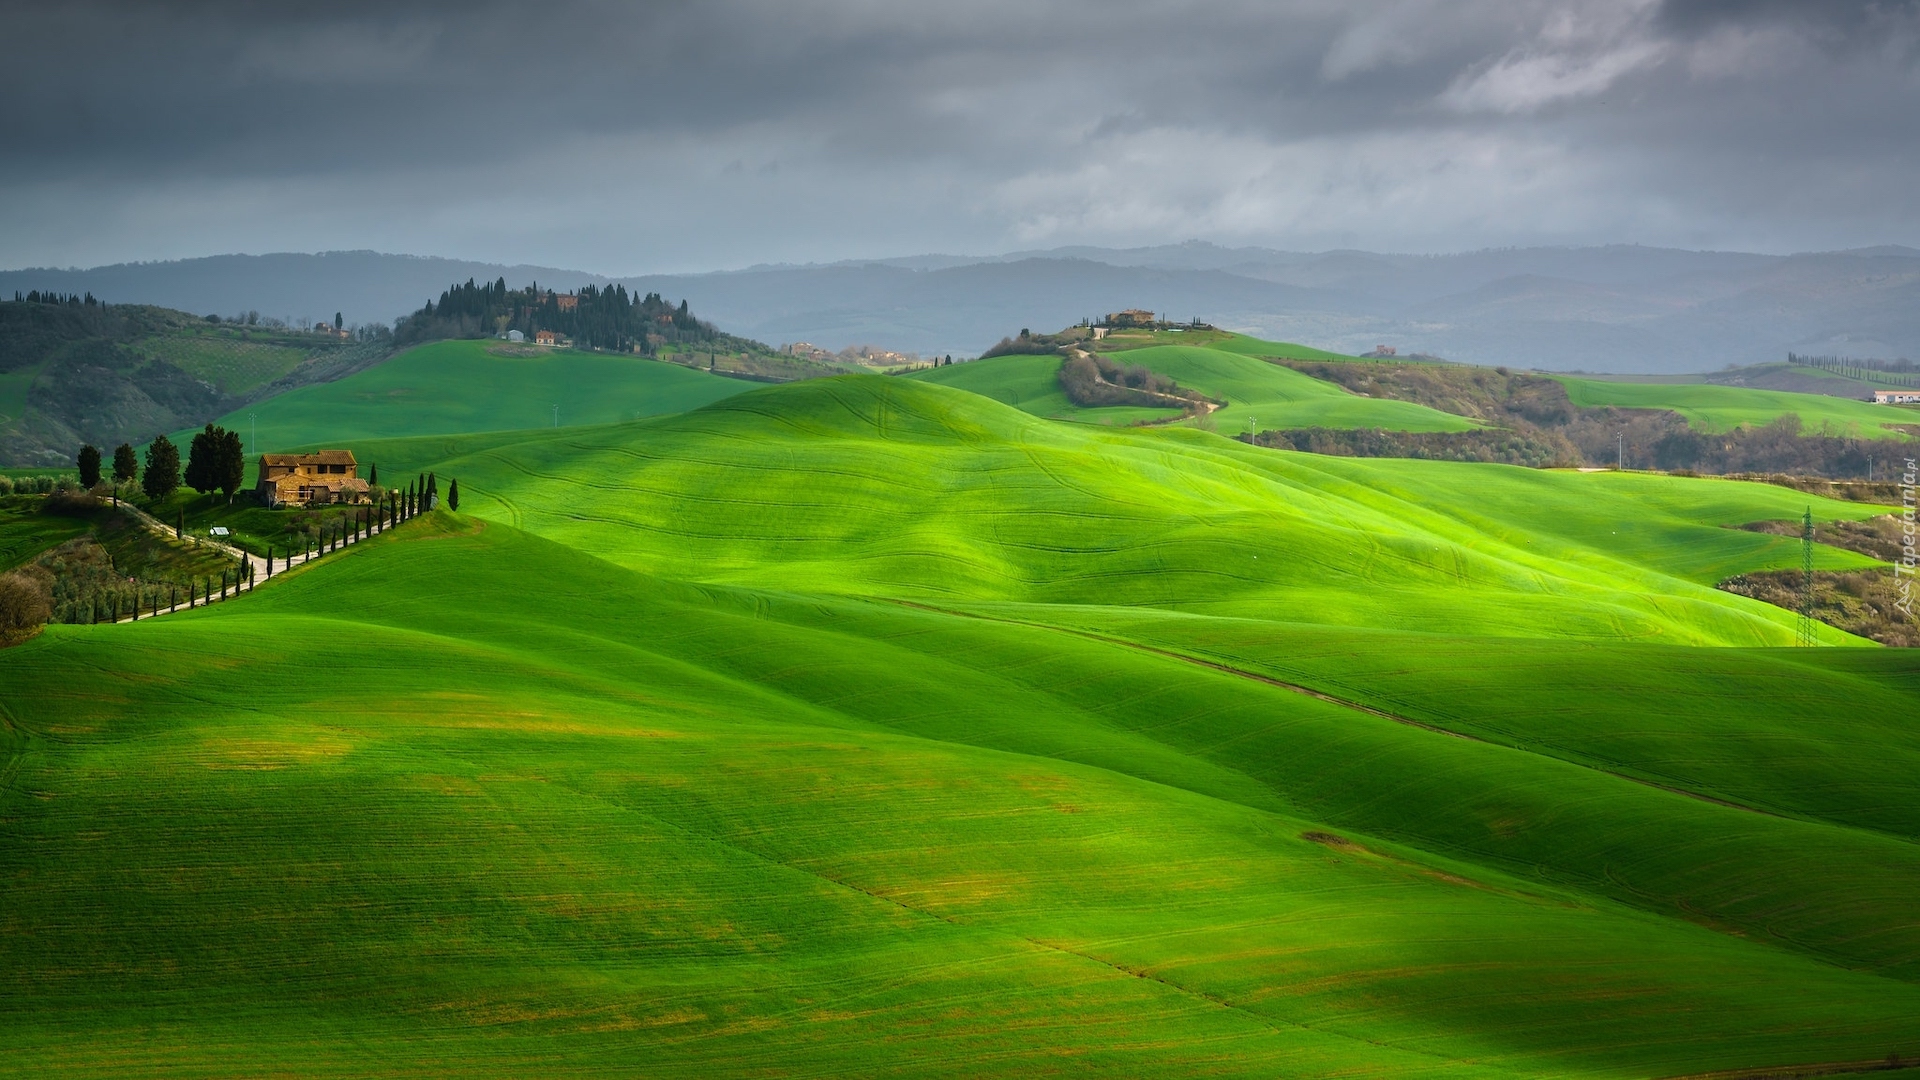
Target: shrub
[26,603]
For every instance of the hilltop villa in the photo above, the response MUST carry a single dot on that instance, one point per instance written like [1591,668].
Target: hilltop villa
[329,476]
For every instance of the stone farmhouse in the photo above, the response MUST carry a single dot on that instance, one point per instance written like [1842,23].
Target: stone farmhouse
[326,477]
[1897,397]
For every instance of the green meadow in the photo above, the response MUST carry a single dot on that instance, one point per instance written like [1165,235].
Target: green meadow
[462,386]
[882,726]
[1722,408]
[1231,371]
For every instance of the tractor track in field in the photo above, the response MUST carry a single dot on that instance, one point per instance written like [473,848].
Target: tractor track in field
[1331,699]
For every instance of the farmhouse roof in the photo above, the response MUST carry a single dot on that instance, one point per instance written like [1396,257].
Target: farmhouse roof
[323,457]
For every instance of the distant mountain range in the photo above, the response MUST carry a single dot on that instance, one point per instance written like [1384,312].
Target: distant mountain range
[1613,309]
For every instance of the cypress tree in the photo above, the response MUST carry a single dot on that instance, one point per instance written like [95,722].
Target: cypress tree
[373,474]
[126,466]
[89,463]
[162,474]
[203,452]
[433,491]
[229,464]
[453,495]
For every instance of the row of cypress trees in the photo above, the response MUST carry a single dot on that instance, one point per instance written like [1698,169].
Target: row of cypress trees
[216,461]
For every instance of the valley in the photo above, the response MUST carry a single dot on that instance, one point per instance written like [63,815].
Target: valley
[927,724]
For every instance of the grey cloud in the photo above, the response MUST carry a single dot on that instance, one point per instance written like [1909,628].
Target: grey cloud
[601,133]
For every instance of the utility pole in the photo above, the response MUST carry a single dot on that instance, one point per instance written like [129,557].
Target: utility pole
[556,416]
[1620,461]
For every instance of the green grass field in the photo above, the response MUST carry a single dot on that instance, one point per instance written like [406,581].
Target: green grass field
[1255,390]
[464,386]
[1032,385]
[1722,408]
[25,532]
[866,726]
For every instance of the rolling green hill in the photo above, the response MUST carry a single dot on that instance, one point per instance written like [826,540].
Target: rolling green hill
[892,486]
[574,819]
[1721,408]
[864,726]
[463,386]
[1253,389]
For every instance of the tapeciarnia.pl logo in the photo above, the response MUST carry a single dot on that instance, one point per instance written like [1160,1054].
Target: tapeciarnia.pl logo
[1903,569]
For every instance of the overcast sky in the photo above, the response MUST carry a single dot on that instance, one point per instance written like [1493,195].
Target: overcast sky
[645,137]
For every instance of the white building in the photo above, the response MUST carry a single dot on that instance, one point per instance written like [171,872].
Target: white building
[515,335]
[1896,397]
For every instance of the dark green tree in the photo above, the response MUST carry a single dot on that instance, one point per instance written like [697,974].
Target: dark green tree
[203,456]
[433,491]
[126,465]
[453,494]
[89,462]
[162,474]
[229,463]
[337,322]
[373,474]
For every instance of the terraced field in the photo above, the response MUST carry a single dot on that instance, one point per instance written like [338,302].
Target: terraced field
[234,366]
[869,726]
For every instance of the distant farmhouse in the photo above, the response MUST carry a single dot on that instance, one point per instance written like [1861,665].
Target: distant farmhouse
[326,477]
[806,351]
[1380,352]
[1141,319]
[545,337]
[567,301]
[1896,397]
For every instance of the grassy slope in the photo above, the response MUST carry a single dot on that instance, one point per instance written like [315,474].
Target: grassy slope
[1279,397]
[1721,408]
[1284,350]
[546,814]
[25,532]
[1032,385]
[854,485]
[13,393]
[220,356]
[634,837]
[459,386]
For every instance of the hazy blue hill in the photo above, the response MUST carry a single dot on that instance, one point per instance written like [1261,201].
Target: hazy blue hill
[1618,308]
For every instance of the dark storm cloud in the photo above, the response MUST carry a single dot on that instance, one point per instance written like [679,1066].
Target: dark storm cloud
[1839,18]
[631,136]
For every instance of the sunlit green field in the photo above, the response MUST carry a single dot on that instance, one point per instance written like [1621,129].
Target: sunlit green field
[868,726]
[459,386]
[1253,389]
[1722,408]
